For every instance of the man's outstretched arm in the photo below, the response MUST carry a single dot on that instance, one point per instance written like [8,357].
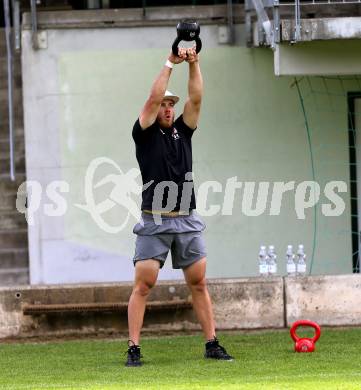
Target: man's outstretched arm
[192,107]
[151,107]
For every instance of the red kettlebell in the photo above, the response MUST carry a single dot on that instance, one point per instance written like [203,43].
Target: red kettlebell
[305,344]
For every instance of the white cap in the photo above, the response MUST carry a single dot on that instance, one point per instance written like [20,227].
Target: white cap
[171,96]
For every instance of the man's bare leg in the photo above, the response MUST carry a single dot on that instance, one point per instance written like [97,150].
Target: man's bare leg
[195,276]
[146,273]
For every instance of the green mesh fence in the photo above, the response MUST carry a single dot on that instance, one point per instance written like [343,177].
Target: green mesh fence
[337,100]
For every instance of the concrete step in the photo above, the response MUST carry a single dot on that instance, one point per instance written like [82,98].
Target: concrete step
[12,220]
[18,117]
[17,102]
[17,94]
[14,258]
[4,72]
[10,188]
[4,58]
[18,112]
[17,91]
[17,106]
[16,276]
[19,164]
[18,149]
[19,146]
[19,177]
[17,74]
[18,128]
[9,215]
[17,80]
[13,239]
[7,203]
[4,127]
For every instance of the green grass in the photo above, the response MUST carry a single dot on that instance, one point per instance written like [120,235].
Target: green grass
[263,361]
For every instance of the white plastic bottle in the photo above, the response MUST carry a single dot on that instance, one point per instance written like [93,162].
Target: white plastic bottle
[272,261]
[262,261]
[301,261]
[290,261]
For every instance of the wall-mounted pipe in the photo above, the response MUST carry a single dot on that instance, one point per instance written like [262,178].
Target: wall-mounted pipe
[230,21]
[10,85]
[297,32]
[34,25]
[16,23]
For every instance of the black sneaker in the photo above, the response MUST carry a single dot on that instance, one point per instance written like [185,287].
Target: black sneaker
[134,356]
[216,351]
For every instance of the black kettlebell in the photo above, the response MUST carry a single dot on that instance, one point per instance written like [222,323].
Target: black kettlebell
[187,30]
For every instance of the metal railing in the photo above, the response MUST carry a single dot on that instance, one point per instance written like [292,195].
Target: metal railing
[321,2]
[270,37]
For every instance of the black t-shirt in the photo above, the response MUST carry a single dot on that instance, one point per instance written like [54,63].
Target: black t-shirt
[165,155]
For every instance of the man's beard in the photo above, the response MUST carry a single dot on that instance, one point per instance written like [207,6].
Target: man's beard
[164,123]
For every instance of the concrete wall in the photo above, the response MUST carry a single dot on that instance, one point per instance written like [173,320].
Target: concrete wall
[238,304]
[246,303]
[326,300]
[82,94]
[339,57]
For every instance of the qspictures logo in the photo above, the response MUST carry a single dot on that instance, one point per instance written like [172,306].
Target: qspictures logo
[250,198]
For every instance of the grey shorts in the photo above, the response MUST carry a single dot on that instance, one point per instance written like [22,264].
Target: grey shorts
[182,235]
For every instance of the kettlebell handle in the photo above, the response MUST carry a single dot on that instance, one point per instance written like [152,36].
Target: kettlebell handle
[187,30]
[312,324]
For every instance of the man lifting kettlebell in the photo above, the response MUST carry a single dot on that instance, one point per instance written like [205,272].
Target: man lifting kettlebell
[164,154]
